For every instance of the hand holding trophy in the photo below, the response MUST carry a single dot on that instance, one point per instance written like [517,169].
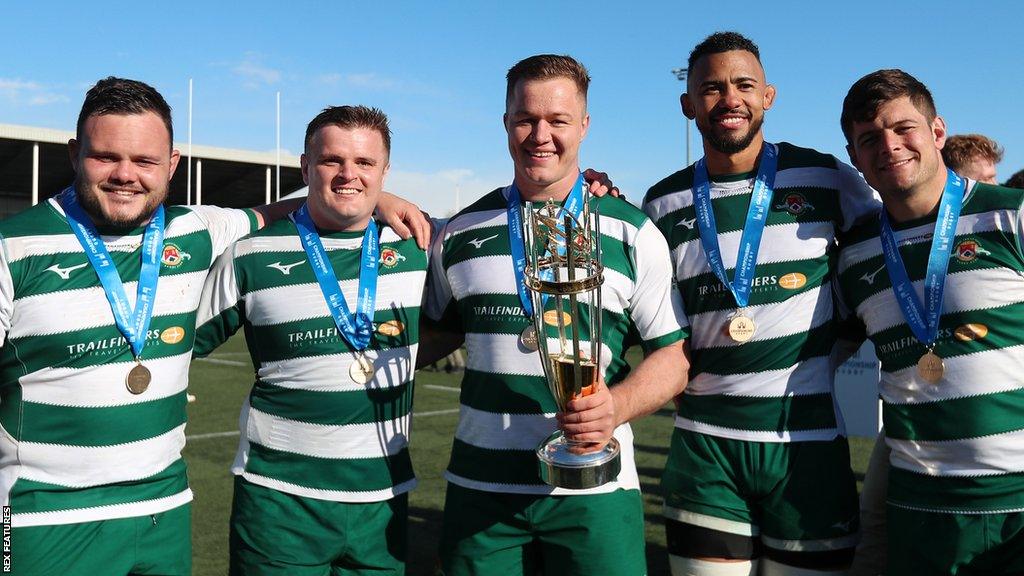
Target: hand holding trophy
[564,276]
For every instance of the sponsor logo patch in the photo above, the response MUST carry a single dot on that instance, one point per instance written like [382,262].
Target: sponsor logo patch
[391,328]
[172,335]
[971,331]
[793,281]
[551,318]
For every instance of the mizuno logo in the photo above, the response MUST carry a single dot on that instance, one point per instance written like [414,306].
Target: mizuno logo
[870,278]
[688,223]
[65,273]
[478,242]
[845,526]
[285,269]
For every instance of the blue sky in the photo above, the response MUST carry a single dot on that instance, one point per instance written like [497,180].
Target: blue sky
[437,69]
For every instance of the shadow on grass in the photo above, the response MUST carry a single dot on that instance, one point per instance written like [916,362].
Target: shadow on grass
[651,449]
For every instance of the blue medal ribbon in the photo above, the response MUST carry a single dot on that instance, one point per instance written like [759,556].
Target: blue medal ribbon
[356,328]
[753,229]
[924,319]
[517,241]
[133,324]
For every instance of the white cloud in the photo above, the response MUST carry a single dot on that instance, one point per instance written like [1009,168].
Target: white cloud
[254,73]
[375,82]
[371,81]
[331,79]
[28,93]
[436,192]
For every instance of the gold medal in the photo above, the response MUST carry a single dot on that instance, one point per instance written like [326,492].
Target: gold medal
[529,338]
[930,367]
[361,371]
[138,379]
[741,328]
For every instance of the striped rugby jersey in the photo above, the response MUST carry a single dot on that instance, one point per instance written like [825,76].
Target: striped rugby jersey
[307,428]
[75,444]
[957,445]
[506,408]
[777,387]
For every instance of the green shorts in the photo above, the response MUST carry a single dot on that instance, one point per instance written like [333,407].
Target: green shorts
[738,499]
[282,534]
[491,533]
[938,543]
[152,544]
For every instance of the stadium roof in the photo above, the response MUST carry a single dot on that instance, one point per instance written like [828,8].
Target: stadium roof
[224,176]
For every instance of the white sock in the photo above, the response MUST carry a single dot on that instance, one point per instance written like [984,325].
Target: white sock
[692,567]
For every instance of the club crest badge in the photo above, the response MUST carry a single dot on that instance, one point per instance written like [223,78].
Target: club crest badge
[968,250]
[173,255]
[795,204]
[390,257]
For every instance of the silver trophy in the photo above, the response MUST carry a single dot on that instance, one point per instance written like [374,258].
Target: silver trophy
[564,268]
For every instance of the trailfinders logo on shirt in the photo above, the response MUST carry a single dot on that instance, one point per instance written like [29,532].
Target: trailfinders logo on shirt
[298,339]
[761,284]
[968,332]
[497,318]
[118,344]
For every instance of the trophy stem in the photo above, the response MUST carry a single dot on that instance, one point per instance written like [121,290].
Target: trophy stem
[595,262]
[570,268]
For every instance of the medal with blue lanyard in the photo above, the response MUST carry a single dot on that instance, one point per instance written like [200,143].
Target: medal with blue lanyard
[356,329]
[740,326]
[923,319]
[517,243]
[132,323]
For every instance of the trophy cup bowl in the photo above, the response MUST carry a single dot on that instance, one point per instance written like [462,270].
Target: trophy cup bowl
[564,275]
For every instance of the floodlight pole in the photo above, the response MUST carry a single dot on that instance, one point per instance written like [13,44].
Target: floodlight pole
[277,173]
[188,178]
[681,75]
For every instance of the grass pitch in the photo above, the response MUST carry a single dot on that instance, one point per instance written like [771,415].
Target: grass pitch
[222,382]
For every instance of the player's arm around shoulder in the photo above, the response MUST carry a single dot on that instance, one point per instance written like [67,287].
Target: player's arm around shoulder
[227,225]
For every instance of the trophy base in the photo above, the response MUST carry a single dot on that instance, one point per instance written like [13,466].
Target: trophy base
[562,469]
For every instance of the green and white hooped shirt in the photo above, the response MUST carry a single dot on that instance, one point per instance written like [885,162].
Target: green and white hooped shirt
[75,444]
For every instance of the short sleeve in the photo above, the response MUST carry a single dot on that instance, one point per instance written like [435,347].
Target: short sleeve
[6,293]
[857,200]
[221,308]
[226,225]
[656,306]
[439,292]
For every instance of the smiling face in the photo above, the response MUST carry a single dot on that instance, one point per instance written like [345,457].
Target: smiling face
[345,170]
[123,167]
[546,120]
[727,95]
[899,151]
